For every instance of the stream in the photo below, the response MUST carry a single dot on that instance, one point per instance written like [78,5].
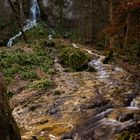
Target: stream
[83,106]
[111,121]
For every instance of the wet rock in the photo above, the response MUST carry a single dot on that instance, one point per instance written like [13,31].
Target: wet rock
[105,107]
[34,107]
[129,97]
[101,102]
[34,138]
[52,110]
[126,117]
[67,137]
[44,121]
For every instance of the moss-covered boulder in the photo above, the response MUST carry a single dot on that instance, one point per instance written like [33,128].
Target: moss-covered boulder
[73,58]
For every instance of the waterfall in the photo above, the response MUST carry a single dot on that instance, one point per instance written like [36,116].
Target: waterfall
[45,2]
[30,23]
[34,11]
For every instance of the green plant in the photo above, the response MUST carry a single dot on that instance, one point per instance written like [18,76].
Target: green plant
[10,94]
[38,32]
[28,74]
[40,84]
[17,61]
[126,136]
[73,58]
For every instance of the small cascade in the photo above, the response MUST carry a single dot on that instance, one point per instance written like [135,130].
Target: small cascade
[106,124]
[34,11]
[101,69]
[135,103]
[97,63]
[30,23]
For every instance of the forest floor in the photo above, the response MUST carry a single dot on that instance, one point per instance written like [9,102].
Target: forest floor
[50,102]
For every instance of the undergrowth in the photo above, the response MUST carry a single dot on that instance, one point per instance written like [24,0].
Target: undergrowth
[73,58]
[18,62]
[40,84]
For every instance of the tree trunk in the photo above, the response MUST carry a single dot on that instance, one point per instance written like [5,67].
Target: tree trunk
[17,19]
[112,41]
[92,21]
[61,6]
[8,127]
[21,10]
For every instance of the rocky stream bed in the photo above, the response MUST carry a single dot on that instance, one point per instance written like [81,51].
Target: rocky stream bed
[82,106]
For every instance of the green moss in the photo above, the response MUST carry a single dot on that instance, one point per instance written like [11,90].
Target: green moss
[126,136]
[73,58]
[40,84]
[17,61]
[37,32]
[25,75]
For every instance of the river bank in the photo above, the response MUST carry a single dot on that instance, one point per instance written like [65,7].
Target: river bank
[105,96]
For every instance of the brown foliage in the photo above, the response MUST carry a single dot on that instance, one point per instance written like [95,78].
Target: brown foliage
[122,12]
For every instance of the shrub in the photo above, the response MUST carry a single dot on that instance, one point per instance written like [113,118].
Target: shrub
[40,84]
[17,61]
[73,58]
[28,74]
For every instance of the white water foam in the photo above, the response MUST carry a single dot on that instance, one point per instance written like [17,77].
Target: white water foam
[31,22]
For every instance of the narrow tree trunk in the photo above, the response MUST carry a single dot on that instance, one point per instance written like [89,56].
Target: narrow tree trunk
[92,20]
[112,41]
[21,10]
[8,127]
[61,6]
[17,19]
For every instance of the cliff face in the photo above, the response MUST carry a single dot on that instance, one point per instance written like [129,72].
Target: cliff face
[8,127]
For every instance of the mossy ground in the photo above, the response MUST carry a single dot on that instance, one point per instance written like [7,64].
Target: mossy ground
[40,84]
[17,61]
[27,62]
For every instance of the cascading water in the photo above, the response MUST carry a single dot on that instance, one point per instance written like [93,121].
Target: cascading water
[106,124]
[97,63]
[31,22]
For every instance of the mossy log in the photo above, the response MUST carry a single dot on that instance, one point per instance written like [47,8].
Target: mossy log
[8,127]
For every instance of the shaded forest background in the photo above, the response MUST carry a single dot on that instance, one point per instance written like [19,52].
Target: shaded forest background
[106,24]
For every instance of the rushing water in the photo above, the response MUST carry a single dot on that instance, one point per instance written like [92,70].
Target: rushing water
[30,23]
[81,111]
[106,124]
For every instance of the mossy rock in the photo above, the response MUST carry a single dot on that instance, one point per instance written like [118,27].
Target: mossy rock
[73,58]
